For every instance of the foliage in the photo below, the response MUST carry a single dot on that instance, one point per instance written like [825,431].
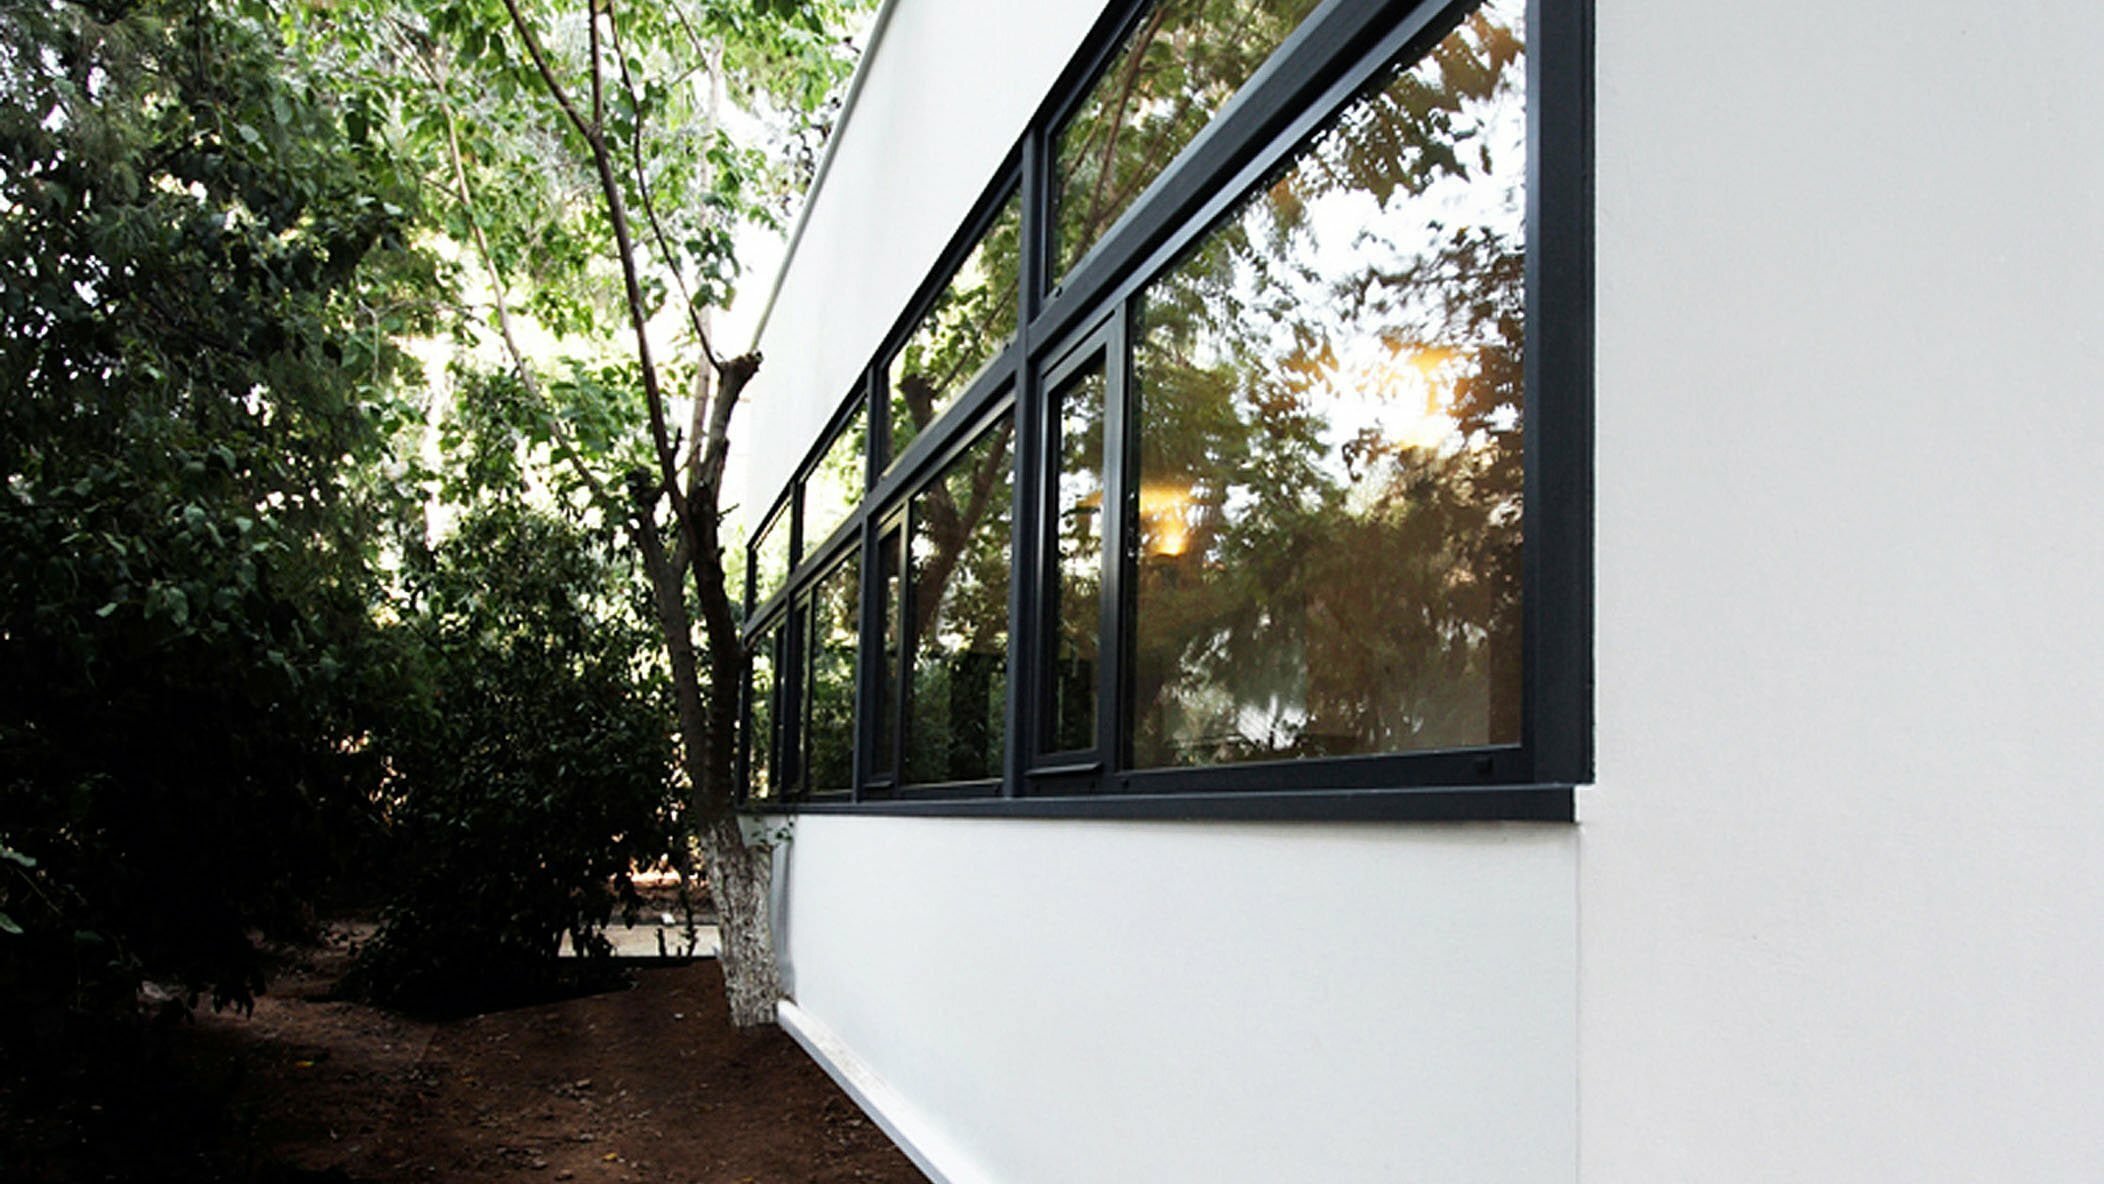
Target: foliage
[201,279]
[533,767]
[582,166]
[235,675]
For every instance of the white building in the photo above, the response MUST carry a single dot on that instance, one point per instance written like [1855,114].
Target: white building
[1596,675]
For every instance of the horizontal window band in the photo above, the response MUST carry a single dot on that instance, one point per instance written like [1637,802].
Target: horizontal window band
[1503,803]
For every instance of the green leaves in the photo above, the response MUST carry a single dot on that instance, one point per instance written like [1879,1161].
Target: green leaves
[205,284]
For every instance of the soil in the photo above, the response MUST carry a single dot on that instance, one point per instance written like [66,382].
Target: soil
[647,1083]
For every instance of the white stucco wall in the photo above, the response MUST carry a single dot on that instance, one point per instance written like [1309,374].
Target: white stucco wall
[1122,1001]
[1836,908]
[1843,878]
[949,89]
[1054,1002]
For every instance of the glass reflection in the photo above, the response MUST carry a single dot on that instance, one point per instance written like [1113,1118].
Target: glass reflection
[829,696]
[770,558]
[1331,461]
[890,562]
[958,692]
[1176,70]
[759,757]
[969,324]
[1075,607]
[834,488]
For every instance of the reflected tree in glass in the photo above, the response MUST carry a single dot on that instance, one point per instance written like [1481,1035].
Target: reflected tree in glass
[972,319]
[1329,388]
[960,557]
[1074,610]
[891,617]
[829,696]
[834,488]
[760,773]
[770,557]
[1178,67]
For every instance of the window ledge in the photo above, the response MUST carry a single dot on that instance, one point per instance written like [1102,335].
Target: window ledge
[1502,803]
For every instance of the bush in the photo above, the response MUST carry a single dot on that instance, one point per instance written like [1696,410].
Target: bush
[534,767]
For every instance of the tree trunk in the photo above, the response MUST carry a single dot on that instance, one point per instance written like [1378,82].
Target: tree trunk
[739,876]
[739,880]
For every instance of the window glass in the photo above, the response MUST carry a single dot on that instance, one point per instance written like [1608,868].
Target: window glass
[760,772]
[1329,388]
[970,322]
[770,557]
[1077,583]
[1176,70]
[890,561]
[834,488]
[829,697]
[960,571]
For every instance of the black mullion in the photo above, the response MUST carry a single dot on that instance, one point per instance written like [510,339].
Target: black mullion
[1121,501]
[789,679]
[909,636]
[1557,514]
[1027,561]
[1025,554]
[1074,358]
[1043,574]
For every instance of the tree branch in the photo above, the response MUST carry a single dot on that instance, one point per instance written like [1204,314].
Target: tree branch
[625,247]
[528,378]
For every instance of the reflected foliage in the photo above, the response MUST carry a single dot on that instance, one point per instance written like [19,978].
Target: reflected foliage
[834,489]
[1077,585]
[955,728]
[1330,388]
[967,327]
[891,606]
[829,693]
[1175,71]
[762,777]
[770,562]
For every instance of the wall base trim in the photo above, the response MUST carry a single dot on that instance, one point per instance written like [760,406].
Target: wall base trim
[897,1118]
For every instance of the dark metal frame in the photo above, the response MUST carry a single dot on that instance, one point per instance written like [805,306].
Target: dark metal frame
[1337,53]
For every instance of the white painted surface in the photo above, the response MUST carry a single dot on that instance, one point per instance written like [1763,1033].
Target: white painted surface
[1122,1001]
[1843,877]
[1839,892]
[1058,1001]
[947,93]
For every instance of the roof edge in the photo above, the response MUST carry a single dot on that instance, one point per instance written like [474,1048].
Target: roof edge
[825,165]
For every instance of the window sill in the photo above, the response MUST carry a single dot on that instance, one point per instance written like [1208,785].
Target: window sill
[1503,803]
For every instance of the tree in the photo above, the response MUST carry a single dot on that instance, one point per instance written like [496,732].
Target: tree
[579,160]
[202,280]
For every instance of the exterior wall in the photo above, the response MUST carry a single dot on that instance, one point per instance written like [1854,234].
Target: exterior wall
[1128,1001]
[951,85]
[1061,1001]
[1842,901]
[1838,891]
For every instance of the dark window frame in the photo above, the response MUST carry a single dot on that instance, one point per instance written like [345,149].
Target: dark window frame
[1322,66]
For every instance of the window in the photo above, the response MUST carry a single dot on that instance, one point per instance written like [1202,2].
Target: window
[1235,459]
[957,584]
[970,322]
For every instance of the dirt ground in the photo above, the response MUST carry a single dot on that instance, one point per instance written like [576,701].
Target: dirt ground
[645,1084]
